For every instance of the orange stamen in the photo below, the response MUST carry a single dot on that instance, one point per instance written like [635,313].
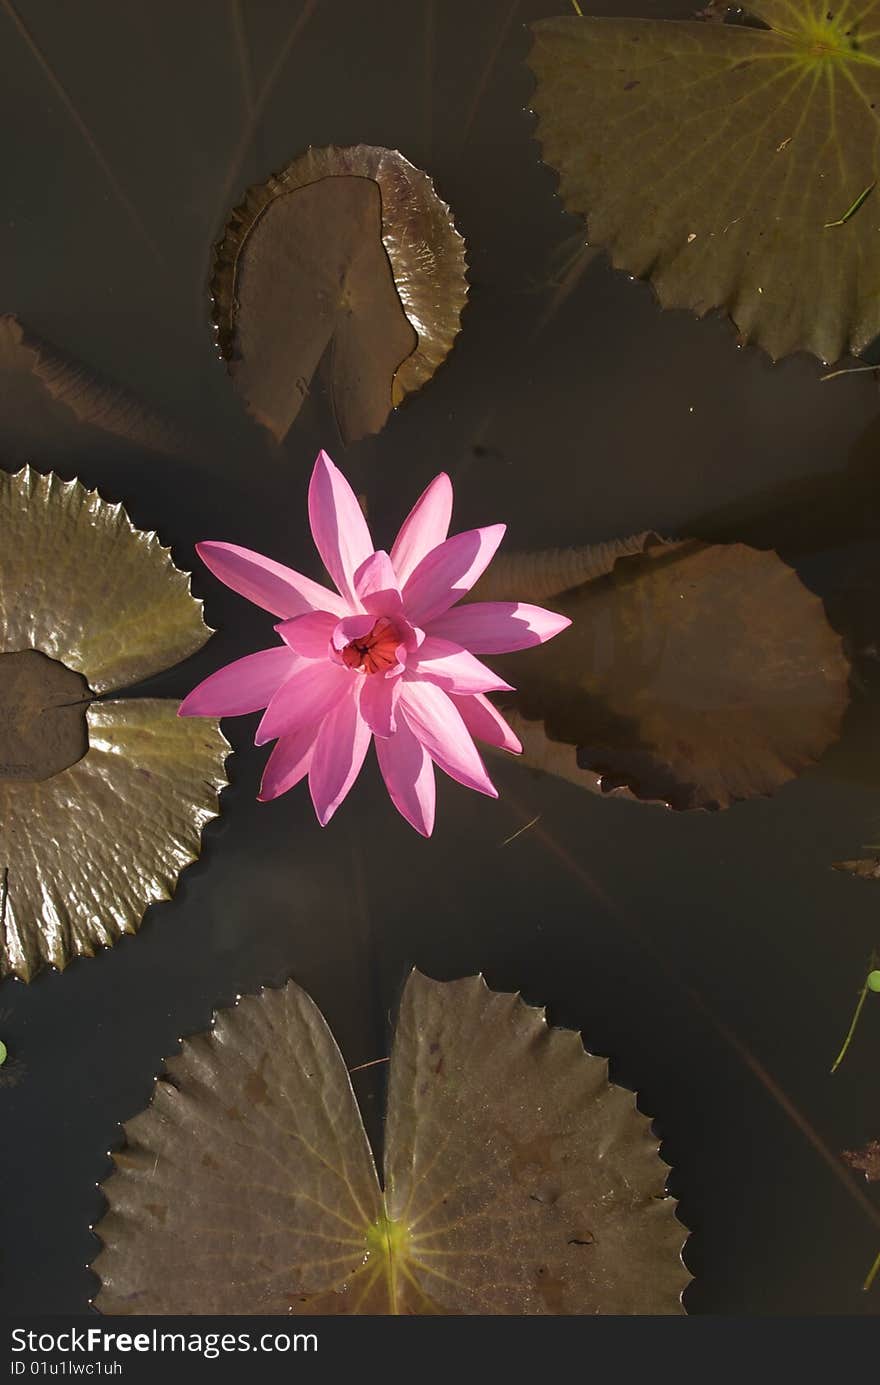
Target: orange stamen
[375,652]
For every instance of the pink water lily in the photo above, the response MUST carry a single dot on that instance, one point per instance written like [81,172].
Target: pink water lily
[387,656]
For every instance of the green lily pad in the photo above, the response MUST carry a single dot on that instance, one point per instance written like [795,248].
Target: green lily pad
[518,1180]
[734,166]
[102,803]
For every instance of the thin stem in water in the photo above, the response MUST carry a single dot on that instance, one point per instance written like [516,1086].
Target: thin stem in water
[855,1019]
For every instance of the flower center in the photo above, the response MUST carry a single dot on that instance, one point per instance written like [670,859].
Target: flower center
[375,652]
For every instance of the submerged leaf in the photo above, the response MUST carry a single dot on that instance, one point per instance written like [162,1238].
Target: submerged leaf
[96,822]
[347,255]
[518,1180]
[49,404]
[693,674]
[735,166]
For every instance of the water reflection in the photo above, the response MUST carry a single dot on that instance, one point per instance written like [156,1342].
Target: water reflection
[620,418]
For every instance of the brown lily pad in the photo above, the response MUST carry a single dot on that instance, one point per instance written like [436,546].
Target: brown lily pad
[98,821]
[866,868]
[693,674]
[42,716]
[50,404]
[518,1180]
[348,258]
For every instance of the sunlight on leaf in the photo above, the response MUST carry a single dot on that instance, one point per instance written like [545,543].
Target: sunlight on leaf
[81,584]
[96,821]
[518,1180]
[347,257]
[693,674]
[734,166]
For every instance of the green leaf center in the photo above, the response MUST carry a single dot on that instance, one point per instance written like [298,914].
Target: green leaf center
[820,42]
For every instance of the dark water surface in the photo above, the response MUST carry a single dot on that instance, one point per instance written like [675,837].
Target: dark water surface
[714,957]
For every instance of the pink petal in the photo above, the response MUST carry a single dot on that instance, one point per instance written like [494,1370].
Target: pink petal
[351,628]
[339,754]
[448,572]
[378,699]
[266,583]
[452,668]
[310,634]
[245,686]
[437,722]
[338,526]
[409,777]
[288,764]
[426,526]
[486,723]
[497,627]
[304,699]
[375,583]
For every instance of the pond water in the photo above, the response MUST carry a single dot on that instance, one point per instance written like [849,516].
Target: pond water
[714,957]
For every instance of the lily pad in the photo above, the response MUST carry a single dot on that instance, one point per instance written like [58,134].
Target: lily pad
[518,1180]
[693,674]
[50,404]
[732,165]
[347,257]
[866,867]
[96,822]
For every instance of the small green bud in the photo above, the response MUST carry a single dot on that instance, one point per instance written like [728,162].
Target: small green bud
[874,980]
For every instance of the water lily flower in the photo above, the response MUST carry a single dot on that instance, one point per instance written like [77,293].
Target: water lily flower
[387,657]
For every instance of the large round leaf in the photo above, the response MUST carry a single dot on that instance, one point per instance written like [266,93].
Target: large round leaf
[81,584]
[96,822]
[518,1180]
[83,854]
[349,257]
[693,674]
[732,165]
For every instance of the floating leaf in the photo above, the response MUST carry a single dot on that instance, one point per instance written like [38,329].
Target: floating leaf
[347,255]
[868,868]
[518,1180]
[92,830]
[551,571]
[693,674]
[49,403]
[80,583]
[735,166]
